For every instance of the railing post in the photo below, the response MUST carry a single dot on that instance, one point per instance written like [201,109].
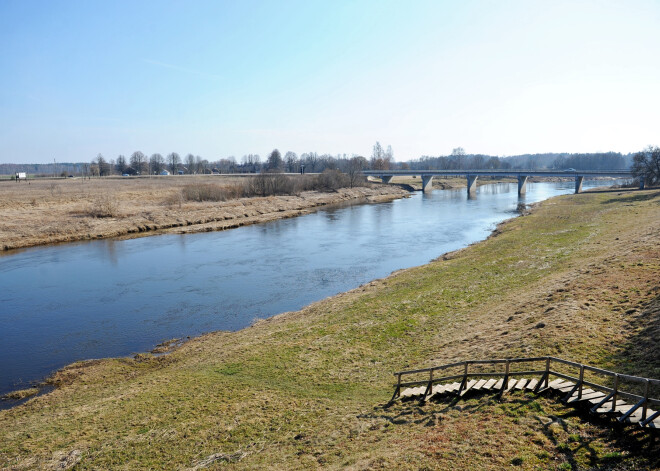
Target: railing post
[465,376]
[577,388]
[505,381]
[545,376]
[616,390]
[646,399]
[397,391]
[429,387]
[581,380]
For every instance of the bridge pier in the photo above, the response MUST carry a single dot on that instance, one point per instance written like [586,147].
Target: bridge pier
[472,183]
[427,182]
[522,184]
[578,183]
[386,178]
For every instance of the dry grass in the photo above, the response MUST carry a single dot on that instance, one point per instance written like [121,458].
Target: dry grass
[21,393]
[309,389]
[47,211]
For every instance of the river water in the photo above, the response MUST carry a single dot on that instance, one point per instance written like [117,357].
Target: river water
[110,298]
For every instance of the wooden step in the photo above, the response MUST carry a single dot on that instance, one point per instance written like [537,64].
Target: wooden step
[412,392]
[489,384]
[512,384]
[565,387]
[595,401]
[479,385]
[521,383]
[633,418]
[497,386]
[606,408]
[532,384]
[438,389]
[452,388]
[596,395]
[468,386]
[552,386]
[652,419]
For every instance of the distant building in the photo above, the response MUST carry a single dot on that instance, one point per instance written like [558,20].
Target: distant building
[164,172]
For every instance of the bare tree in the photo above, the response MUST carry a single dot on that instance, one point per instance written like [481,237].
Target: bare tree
[173,160]
[458,158]
[199,167]
[252,162]
[190,163]
[157,163]
[102,166]
[493,163]
[354,170]
[275,162]
[121,165]
[646,165]
[138,161]
[381,160]
[291,161]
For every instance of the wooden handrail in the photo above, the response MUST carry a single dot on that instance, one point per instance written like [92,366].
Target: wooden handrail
[580,381]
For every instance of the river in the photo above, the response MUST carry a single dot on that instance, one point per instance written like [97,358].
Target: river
[108,298]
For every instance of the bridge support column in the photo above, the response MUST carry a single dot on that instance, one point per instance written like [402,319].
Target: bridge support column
[472,184]
[641,183]
[427,182]
[386,178]
[522,184]
[578,183]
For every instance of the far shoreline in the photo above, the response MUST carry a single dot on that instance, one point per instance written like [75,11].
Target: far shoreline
[51,213]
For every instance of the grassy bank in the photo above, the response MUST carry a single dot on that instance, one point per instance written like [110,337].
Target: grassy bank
[46,212]
[307,389]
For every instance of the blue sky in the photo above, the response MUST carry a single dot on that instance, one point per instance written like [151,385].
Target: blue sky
[217,78]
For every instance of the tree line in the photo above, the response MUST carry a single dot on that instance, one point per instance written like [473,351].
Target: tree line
[381,158]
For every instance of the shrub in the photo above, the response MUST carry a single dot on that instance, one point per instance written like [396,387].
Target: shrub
[103,207]
[268,184]
[331,180]
[265,184]
[210,192]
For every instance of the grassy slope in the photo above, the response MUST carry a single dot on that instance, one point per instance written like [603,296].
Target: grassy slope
[307,389]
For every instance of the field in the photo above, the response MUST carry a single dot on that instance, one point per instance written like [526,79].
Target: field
[52,211]
[576,278]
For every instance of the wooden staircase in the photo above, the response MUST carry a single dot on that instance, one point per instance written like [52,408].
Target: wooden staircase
[577,390]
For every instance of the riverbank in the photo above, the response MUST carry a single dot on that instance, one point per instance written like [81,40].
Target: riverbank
[576,278]
[49,212]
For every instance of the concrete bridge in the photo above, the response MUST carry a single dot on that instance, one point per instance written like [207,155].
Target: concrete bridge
[521,175]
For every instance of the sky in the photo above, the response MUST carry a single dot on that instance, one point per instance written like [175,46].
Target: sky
[228,78]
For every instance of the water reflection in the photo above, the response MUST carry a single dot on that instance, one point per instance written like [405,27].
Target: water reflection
[111,298]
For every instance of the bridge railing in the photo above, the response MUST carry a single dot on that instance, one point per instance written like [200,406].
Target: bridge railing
[581,374]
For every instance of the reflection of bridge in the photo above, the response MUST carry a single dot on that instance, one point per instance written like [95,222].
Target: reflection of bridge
[522,175]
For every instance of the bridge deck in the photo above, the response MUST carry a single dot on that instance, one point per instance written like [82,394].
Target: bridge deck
[503,173]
